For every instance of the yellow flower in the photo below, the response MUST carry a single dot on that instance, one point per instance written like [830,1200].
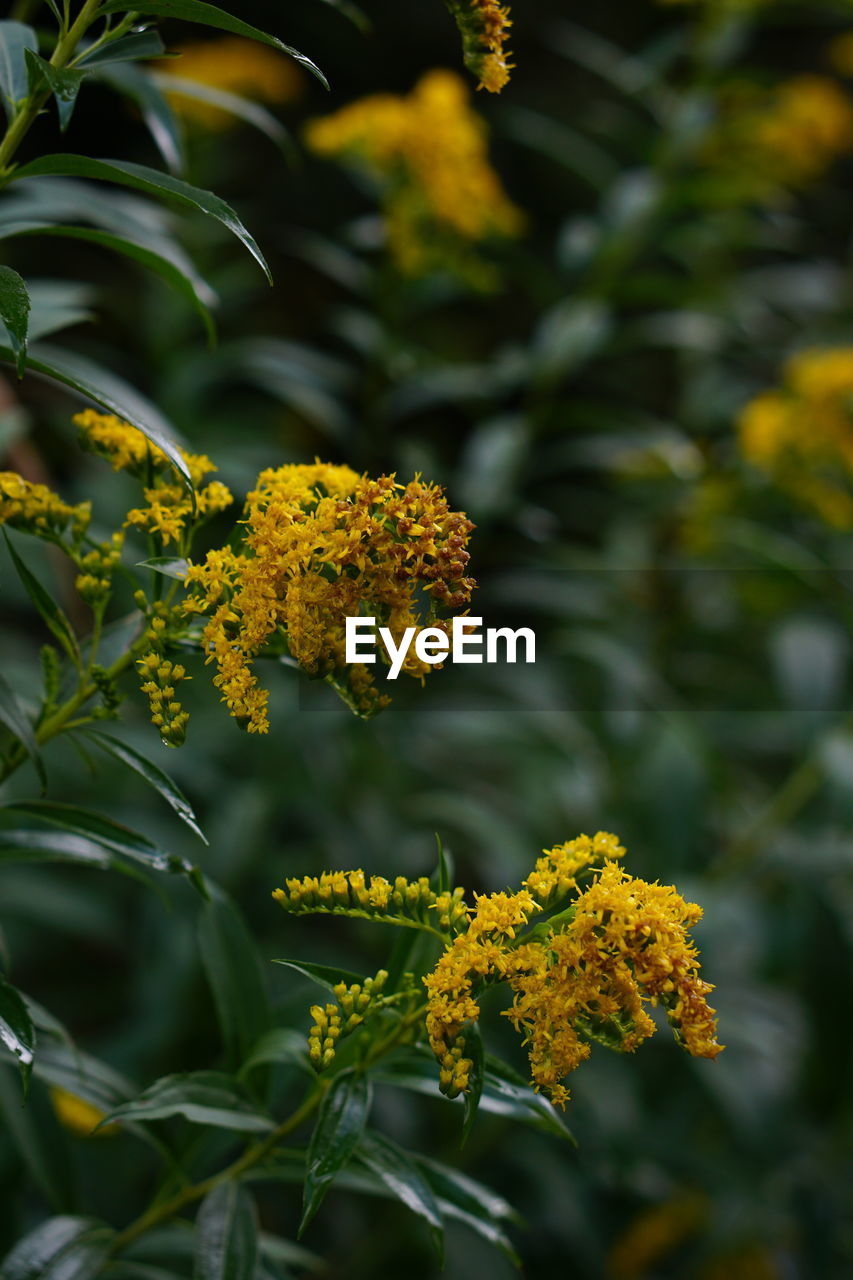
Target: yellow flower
[782,137]
[321,544]
[38,510]
[234,65]
[484,27]
[587,974]
[169,507]
[427,151]
[654,1235]
[79,1116]
[801,435]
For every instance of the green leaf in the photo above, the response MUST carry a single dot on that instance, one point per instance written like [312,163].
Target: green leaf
[282,1045]
[39,1139]
[131,48]
[141,87]
[209,16]
[395,1168]
[110,392]
[202,1097]
[169,566]
[17,1032]
[63,82]
[63,1248]
[14,717]
[226,1235]
[325,975]
[152,182]
[166,260]
[15,40]
[465,1192]
[336,1136]
[72,825]
[56,621]
[234,973]
[15,313]
[64,1066]
[58,304]
[153,775]
[244,108]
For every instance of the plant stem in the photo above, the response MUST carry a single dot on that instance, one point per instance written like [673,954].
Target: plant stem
[253,1155]
[162,1212]
[29,109]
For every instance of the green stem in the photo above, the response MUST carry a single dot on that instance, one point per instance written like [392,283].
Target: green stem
[162,1212]
[63,717]
[159,1213]
[31,106]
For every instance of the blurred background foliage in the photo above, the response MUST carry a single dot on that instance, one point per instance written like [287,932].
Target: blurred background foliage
[686,232]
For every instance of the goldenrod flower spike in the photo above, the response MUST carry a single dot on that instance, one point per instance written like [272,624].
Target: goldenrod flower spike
[411,903]
[322,544]
[587,974]
[484,26]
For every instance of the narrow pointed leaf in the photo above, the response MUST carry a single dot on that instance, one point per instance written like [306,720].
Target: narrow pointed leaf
[141,178]
[15,39]
[141,87]
[202,1097]
[243,108]
[53,616]
[14,717]
[15,313]
[153,775]
[17,1032]
[108,391]
[64,83]
[235,976]
[325,975]
[226,1239]
[209,15]
[64,1248]
[170,566]
[337,1134]
[138,45]
[395,1168]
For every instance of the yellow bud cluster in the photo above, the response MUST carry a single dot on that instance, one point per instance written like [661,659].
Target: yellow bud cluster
[406,902]
[94,582]
[160,677]
[332,1021]
[36,509]
[324,1034]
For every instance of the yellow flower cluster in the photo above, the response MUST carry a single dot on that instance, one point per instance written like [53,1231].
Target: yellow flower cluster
[428,153]
[234,65]
[350,893]
[168,512]
[484,26]
[781,137]
[588,974]
[801,434]
[37,509]
[322,544]
[331,1021]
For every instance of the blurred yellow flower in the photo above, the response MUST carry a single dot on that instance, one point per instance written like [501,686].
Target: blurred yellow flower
[428,153]
[38,510]
[801,434]
[234,65]
[79,1116]
[654,1235]
[781,137]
